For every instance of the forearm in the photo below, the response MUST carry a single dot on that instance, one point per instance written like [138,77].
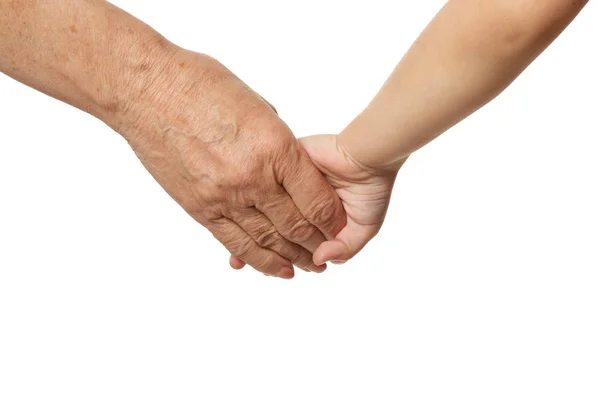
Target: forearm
[87,53]
[468,54]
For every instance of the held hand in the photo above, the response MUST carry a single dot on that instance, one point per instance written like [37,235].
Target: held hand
[225,156]
[365,193]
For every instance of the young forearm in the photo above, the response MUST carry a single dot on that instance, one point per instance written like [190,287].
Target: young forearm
[87,53]
[468,54]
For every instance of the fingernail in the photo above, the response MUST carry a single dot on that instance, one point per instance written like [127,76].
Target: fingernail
[338,262]
[320,268]
[286,272]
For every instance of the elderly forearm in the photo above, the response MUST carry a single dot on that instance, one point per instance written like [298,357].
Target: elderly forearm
[468,54]
[87,53]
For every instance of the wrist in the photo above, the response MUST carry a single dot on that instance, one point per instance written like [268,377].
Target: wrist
[367,152]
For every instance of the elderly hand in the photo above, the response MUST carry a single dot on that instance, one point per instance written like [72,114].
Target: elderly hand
[224,155]
[364,191]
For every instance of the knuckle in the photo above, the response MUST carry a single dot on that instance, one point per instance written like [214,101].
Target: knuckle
[242,249]
[268,238]
[323,211]
[288,160]
[300,231]
[206,216]
[298,257]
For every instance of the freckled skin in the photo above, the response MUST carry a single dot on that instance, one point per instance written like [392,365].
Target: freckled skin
[218,148]
[223,158]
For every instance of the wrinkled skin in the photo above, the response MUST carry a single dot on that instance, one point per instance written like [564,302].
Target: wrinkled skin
[224,155]
[364,191]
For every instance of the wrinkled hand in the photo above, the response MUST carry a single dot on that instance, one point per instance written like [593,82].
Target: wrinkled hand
[225,156]
[365,193]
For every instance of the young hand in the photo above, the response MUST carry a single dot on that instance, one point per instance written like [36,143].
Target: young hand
[365,193]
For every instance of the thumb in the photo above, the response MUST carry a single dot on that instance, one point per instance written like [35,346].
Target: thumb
[318,145]
[350,241]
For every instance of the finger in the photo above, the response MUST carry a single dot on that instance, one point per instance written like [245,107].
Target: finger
[245,248]
[289,222]
[236,263]
[314,197]
[264,233]
[350,241]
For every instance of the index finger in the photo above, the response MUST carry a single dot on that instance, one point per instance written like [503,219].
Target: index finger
[314,196]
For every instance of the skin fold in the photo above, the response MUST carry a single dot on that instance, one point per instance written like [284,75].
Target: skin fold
[217,147]
[221,151]
[469,53]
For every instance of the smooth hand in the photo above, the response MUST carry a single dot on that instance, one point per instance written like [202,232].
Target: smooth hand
[225,156]
[365,193]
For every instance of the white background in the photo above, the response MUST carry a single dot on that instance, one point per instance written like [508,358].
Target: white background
[483,283]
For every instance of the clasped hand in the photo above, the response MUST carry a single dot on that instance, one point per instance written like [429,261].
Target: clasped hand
[221,151]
